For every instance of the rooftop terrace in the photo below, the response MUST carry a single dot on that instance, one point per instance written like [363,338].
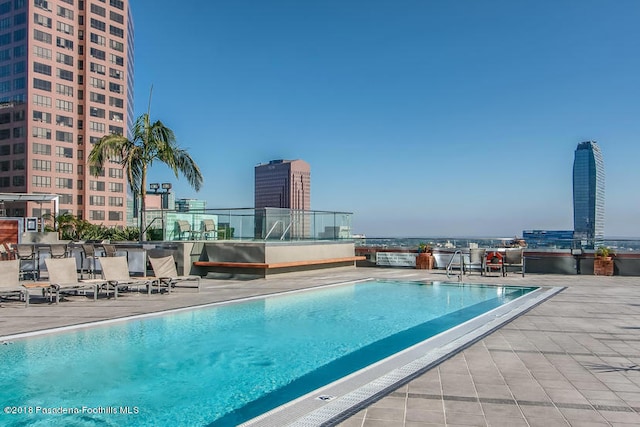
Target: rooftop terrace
[572,360]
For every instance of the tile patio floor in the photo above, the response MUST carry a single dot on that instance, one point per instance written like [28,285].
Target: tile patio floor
[572,361]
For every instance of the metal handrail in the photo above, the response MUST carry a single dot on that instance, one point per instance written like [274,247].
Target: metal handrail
[450,264]
[273,227]
[284,233]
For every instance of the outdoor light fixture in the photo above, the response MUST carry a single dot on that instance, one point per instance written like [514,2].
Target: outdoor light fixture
[164,199]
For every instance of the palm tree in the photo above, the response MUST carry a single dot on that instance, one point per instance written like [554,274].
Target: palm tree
[151,142]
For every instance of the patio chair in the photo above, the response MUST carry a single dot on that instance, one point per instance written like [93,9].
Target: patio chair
[476,260]
[88,257]
[210,231]
[58,250]
[109,250]
[26,254]
[185,231]
[115,272]
[63,277]
[513,258]
[10,281]
[165,270]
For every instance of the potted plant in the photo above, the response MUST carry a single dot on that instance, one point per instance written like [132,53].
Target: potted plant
[424,260]
[603,262]
[604,252]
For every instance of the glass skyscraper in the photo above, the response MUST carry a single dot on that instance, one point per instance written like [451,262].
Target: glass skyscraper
[588,193]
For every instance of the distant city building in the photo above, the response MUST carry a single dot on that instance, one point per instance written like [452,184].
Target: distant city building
[588,193]
[283,184]
[66,80]
[186,205]
[548,238]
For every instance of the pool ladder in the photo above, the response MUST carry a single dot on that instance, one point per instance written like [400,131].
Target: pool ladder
[451,265]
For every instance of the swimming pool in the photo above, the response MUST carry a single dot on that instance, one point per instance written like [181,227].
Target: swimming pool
[227,363]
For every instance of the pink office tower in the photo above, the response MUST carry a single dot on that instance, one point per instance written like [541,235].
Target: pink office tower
[66,80]
[283,184]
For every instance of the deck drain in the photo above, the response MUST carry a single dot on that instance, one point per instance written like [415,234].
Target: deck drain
[325,397]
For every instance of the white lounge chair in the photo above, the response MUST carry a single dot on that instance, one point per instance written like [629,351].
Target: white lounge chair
[10,281]
[63,276]
[115,272]
[164,269]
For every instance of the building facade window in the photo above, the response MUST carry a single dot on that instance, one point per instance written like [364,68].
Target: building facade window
[43,133]
[98,39]
[64,136]
[64,167]
[96,200]
[65,74]
[41,36]
[42,68]
[42,52]
[44,149]
[96,215]
[63,89]
[64,121]
[65,13]
[97,127]
[42,84]
[41,181]
[42,165]
[40,116]
[64,183]
[96,185]
[41,100]
[65,152]
[64,59]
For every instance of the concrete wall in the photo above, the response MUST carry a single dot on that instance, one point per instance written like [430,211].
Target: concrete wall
[305,252]
[552,261]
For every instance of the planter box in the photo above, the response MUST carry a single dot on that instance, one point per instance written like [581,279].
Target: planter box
[424,261]
[603,266]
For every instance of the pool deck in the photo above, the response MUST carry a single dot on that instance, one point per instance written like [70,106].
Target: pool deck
[573,360]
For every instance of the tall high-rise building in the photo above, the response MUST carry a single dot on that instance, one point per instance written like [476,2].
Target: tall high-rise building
[588,193]
[283,184]
[66,80]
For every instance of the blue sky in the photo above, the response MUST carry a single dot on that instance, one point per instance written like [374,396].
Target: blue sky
[424,118]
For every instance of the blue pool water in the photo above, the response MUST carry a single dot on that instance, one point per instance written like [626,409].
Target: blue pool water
[225,364]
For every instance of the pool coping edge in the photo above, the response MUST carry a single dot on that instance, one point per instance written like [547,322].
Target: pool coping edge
[352,393]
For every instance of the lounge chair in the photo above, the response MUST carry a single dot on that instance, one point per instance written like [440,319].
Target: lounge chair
[63,277]
[115,272]
[164,269]
[58,250]
[10,281]
[26,253]
[88,257]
